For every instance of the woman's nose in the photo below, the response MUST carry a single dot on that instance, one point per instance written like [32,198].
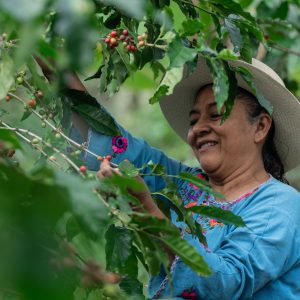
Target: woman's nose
[201,128]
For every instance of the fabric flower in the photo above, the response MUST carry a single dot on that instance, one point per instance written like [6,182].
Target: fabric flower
[119,144]
[200,176]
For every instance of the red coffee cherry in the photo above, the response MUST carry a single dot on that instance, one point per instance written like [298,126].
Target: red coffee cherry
[31,103]
[83,169]
[7,98]
[125,32]
[108,157]
[107,40]
[113,34]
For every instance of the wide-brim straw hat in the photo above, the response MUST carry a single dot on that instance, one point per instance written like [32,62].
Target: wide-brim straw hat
[286,107]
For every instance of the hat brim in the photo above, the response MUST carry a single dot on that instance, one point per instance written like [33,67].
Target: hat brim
[286,107]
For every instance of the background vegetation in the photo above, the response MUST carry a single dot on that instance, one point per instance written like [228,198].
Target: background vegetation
[64,235]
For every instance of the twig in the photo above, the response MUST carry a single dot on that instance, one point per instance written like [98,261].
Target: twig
[72,142]
[284,49]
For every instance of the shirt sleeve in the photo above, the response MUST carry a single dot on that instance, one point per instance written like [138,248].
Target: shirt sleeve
[247,259]
[136,150]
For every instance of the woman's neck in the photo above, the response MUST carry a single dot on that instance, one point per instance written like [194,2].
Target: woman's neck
[239,182]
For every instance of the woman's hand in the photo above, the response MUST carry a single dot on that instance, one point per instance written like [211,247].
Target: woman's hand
[143,195]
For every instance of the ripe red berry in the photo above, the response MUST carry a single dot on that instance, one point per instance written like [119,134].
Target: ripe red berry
[132,48]
[122,37]
[83,169]
[128,47]
[111,46]
[7,98]
[107,40]
[108,157]
[113,34]
[31,103]
[125,32]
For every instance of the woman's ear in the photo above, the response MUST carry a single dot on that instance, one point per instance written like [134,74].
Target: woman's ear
[263,126]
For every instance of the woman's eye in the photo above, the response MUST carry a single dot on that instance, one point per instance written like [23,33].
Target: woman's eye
[193,122]
[215,116]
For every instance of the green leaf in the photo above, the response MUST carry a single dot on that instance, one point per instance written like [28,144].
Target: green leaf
[136,9]
[3,112]
[190,27]
[10,137]
[161,91]
[118,247]
[235,34]
[170,79]
[233,7]
[131,286]
[98,118]
[128,168]
[226,54]
[187,253]
[179,54]
[23,10]
[6,74]
[247,76]
[224,216]
[200,183]
[220,80]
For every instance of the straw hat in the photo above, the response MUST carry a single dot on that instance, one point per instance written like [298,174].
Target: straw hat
[286,107]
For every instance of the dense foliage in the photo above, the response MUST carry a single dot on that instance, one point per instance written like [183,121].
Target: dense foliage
[64,234]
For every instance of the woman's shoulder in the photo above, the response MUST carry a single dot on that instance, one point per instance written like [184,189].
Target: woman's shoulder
[280,197]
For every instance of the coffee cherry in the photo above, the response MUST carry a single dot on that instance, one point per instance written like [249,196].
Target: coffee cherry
[31,103]
[113,34]
[107,40]
[39,94]
[7,98]
[19,80]
[141,43]
[128,47]
[132,48]
[140,38]
[145,36]
[43,124]
[4,36]
[113,41]
[10,152]
[108,157]
[82,169]
[125,32]
[35,141]
[53,158]
[57,136]
[122,37]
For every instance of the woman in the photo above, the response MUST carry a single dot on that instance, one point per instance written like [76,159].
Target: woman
[245,160]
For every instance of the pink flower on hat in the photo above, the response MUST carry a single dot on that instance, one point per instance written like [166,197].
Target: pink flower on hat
[119,144]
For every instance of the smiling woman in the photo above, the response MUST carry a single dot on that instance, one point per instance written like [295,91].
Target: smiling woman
[244,159]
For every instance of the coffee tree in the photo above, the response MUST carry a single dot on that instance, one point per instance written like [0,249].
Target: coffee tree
[64,234]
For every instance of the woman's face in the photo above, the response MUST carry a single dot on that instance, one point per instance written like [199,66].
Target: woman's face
[222,149]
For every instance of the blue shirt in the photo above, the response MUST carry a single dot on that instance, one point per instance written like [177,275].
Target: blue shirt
[260,261]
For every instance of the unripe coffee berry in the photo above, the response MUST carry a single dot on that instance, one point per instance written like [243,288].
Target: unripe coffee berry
[57,136]
[43,124]
[113,41]
[141,43]
[140,38]
[35,141]
[19,80]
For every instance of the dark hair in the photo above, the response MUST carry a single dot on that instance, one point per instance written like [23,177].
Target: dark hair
[271,159]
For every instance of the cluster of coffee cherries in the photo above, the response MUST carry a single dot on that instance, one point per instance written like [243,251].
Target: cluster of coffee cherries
[115,37]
